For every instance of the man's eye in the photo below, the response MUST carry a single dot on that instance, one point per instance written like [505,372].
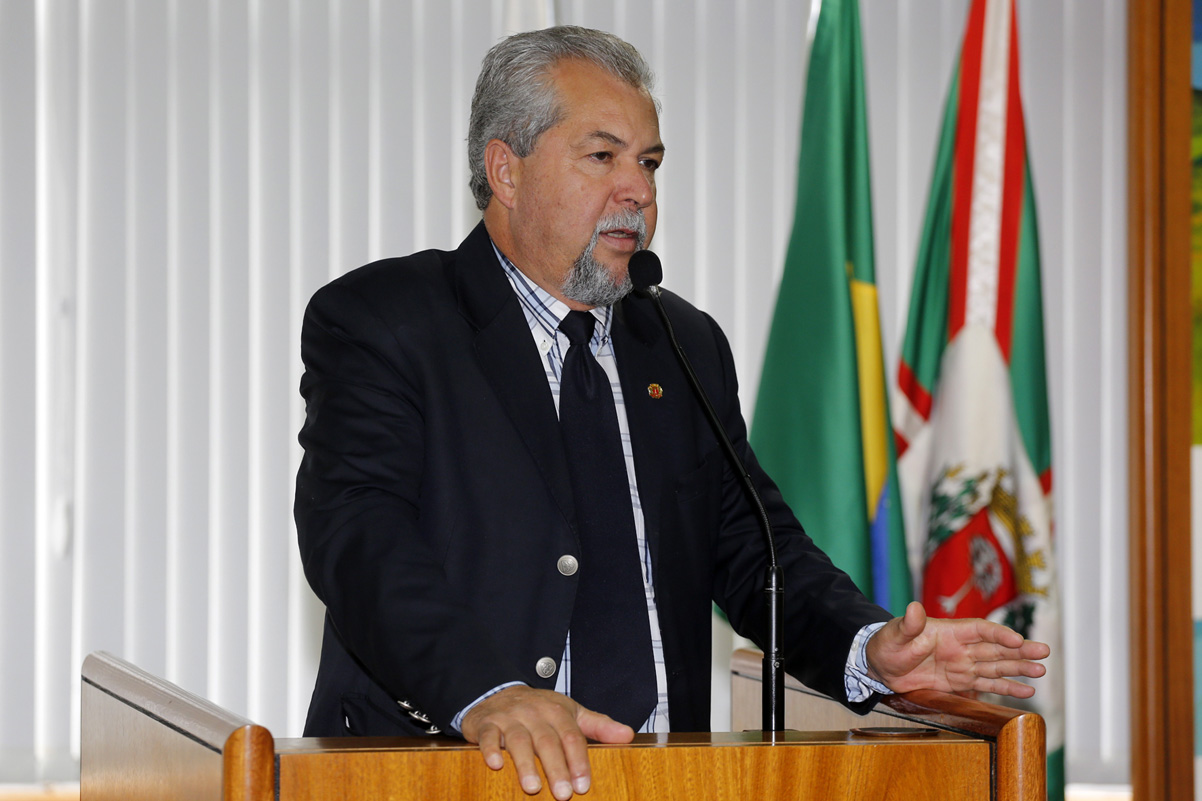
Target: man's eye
[603,156]
[651,164]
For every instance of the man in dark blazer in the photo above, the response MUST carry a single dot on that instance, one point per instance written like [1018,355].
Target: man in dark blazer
[436,517]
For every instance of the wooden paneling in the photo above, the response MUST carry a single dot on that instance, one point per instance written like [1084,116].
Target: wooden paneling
[721,767]
[1022,759]
[1159,386]
[248,757]
[144,738]
[1018,738]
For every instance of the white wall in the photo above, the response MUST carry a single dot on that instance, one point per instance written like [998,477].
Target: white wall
[176,178]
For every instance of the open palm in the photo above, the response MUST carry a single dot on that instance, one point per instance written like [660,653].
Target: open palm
[915,652]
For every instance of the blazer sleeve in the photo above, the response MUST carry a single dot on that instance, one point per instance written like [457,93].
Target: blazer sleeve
[364,547]
[823,609]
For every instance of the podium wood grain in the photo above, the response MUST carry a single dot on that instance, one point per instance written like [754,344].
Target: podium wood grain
[144,738]
[1018,738]
[721,766]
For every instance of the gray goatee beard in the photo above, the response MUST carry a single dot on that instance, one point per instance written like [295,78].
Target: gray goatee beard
[592,283]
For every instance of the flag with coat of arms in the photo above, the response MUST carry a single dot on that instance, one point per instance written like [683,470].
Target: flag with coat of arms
[971,410]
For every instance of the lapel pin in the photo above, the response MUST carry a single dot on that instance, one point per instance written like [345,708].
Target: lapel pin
[655,391]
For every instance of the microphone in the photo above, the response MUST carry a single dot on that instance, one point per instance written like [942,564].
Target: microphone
[646,273]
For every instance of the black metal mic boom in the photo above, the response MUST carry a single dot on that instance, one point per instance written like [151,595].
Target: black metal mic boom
[646,273]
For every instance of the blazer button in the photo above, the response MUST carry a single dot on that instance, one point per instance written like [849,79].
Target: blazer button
[545,667]
[567,564]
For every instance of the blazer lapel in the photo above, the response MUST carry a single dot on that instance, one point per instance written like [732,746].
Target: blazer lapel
[654,403]
[506,355]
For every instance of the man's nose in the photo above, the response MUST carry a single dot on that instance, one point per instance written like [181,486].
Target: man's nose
[635,186]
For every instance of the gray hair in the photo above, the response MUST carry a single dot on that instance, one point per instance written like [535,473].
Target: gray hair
[514,99]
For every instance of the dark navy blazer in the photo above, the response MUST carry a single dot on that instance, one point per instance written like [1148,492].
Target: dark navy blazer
[433,501]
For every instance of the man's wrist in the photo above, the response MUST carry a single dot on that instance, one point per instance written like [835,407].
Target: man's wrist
[857,681]
[457,721]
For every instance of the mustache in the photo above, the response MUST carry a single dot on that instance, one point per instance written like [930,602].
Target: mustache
[625,219]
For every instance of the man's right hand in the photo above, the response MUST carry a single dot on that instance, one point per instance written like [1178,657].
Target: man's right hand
[541,726]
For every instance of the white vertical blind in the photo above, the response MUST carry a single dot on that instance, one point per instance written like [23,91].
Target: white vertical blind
[311,126]
[179,177]
[272,353]
[19,301]
[190,579]
[144,615]
[102,363]
[228,295]
[55,196]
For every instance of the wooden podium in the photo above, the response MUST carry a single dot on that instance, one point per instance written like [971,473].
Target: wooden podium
[144,738]
[1017,739]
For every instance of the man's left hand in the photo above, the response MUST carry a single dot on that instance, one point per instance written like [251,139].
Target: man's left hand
[915,652]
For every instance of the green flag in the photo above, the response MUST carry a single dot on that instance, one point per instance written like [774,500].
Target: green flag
[821,426]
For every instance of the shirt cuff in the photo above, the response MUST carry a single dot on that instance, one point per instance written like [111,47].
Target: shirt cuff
[856,681]
[457,721]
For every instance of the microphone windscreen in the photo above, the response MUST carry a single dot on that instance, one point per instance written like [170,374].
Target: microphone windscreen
[645,270]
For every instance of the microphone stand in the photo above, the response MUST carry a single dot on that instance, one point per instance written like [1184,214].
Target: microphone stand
[773,694]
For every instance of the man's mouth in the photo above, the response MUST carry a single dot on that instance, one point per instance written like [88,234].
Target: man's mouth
[621,238]
[624,231]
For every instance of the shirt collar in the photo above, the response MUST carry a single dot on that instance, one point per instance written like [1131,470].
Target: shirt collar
[546,309]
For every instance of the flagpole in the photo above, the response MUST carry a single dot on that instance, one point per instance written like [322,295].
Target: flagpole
[812,26]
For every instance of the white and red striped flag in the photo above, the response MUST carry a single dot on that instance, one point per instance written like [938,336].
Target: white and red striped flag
[971,412]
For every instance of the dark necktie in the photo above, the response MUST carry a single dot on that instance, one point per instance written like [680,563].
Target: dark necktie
[613,670]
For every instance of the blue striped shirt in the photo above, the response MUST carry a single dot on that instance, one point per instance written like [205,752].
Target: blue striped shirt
[543,315]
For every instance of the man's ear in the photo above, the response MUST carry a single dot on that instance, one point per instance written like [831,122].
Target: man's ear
[503,167]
